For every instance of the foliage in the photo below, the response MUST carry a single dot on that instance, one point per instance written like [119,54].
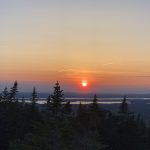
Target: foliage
[4,94]
[34,96]
[13,92]
[23,127]
[124,106]
[67,110]
[56,100]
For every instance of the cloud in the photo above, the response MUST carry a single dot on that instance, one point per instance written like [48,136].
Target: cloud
[108,64]
[67,71]
[148,76]
[101,73]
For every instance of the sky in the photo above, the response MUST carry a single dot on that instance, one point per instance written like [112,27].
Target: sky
[104,42]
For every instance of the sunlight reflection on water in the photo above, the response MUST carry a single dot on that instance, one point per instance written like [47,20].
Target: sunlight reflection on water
[77,101]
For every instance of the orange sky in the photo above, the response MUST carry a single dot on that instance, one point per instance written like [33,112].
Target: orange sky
[104,43]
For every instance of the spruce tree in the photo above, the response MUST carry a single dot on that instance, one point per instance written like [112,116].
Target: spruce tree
[94,106]
[13,92]
[34,96]
[57,99]
[80,109]
[5,94]
[67,110]
[82,112]
[124,106]
[49,102]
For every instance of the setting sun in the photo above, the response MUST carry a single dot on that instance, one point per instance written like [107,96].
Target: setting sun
[84,83]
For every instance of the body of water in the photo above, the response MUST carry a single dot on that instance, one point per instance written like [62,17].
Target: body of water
[137,105]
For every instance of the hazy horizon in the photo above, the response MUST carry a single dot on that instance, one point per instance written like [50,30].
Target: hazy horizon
[48,88]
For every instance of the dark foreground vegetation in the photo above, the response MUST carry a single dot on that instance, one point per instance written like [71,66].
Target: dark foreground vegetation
[26,127]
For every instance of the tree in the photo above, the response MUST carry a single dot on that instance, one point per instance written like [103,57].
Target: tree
[34,96]
[49,102]
[67,110]
[13,92]
[94,106]
[124,106]
[82,109]
[57,99]
[82,113]
[5,94]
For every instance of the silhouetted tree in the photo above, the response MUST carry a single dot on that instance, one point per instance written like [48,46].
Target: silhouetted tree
[67,110]
[80,109]
[34,96]
[13,92]
[94,106]
[49,102]
[95,99]
[28,128]
[57,99]
[82,113]
[5,94]
[124,106]
[48,99]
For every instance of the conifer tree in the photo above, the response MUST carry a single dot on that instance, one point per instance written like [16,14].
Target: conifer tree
[94,106]
[67,109]
[57,99]
[49,102]
[124,106]
[82,112]
[5,94]
[80,109]
[34,96]
[13,92]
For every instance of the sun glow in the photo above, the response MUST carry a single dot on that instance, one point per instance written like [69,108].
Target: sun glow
[84,83]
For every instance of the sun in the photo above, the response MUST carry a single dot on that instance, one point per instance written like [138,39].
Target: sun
[84,83]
